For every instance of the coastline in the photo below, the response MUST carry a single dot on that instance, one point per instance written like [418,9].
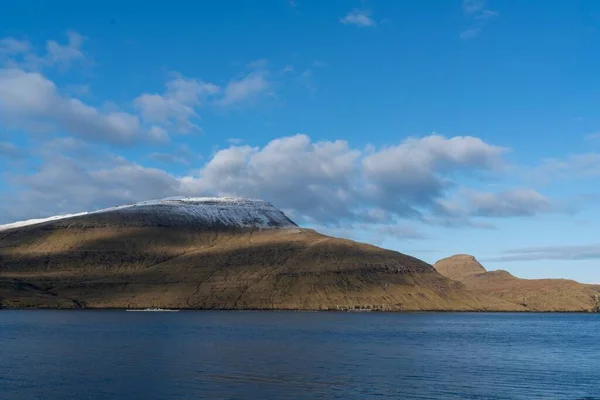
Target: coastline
[446,311]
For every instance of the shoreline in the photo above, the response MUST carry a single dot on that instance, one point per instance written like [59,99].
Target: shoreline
[303,310]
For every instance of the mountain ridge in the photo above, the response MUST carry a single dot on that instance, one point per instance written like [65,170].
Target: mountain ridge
[147,256]
[233,253]
[223,212]
[531,294]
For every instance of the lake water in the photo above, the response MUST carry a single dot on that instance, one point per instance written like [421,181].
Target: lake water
[287,355]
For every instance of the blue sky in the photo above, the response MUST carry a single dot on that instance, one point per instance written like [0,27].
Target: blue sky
[428,127]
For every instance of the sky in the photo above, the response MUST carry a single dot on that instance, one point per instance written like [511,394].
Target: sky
[428,127]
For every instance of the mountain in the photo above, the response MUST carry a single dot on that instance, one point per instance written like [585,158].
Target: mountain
[211,253]
[530,294]
[459,266]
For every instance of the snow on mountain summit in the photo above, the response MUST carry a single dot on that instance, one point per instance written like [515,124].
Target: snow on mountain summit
[218,212]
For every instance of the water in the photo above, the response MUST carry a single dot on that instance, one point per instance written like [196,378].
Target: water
[281,355]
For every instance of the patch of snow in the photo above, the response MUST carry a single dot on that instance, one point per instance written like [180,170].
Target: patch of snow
[228,211]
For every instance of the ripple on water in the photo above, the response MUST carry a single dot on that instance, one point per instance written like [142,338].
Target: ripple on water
[263,355]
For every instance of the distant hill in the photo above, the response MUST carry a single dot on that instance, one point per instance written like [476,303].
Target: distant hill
[212,253]
[459,266]
[531,294]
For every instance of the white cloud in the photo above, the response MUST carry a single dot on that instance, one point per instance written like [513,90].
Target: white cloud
[11,46]
[15,53]
[359,18]
[64,55]
[158,134]
[466,206]
[419,169]
[31,102]
[573,166]
[475,11]
[73,183]
[559,252]
[510,203]
[472,6]
[175,108]
[29,97]
[245,89]
[312,179]
[326,183]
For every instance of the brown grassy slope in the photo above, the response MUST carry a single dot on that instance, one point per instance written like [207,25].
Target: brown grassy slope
[19,294]
[459,266]
[103,266]
[532,294]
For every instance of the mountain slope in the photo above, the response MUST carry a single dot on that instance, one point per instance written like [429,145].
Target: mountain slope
[531,294]
[459,266]
[160,255]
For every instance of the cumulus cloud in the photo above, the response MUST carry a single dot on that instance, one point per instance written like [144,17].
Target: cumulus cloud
[247,88]
[64,55]
[313,180]
[28,99]
[175,108]
[420,169]
[17,53]
[466,207]
[320,183]
[510,203]
[65,184]
[358,17]
[31,102]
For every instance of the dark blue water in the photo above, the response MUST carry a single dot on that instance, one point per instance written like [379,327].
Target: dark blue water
[281,355]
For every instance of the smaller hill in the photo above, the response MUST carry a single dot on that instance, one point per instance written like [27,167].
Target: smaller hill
[531,294]
[459,266]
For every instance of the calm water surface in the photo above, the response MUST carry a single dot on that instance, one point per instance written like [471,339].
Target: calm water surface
[281,355]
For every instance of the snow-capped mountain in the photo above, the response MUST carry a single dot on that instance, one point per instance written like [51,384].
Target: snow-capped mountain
[227,212]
